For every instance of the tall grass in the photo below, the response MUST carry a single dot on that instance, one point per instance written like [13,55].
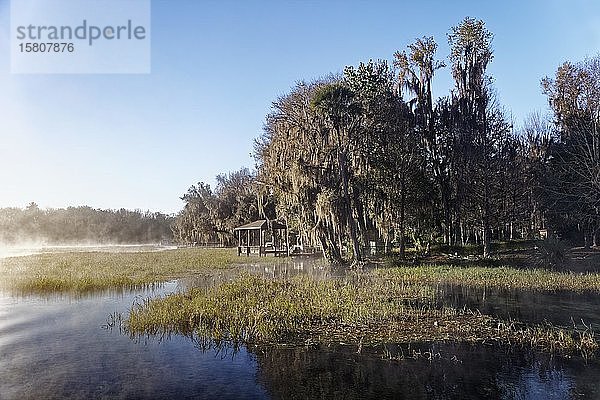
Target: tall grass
[500,277]
[86,271]
[365,310]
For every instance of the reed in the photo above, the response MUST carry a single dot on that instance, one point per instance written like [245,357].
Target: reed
[499,277]
[367,310]
[89,271]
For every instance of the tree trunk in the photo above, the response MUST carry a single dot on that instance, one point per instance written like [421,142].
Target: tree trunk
[343,169]
[486,239]
[586,238]
[330,250]
[486,225]
[402,215]
[386,247]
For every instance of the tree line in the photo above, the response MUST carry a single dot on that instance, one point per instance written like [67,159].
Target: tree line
[75,225]
[210,216]
[370,155]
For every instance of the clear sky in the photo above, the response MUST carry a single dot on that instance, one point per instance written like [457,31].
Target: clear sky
[139,141]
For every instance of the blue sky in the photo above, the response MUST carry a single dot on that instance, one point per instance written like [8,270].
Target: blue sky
[139,141]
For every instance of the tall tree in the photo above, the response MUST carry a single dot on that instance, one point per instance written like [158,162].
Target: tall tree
[330,150]
[479,122]
[296,158]
[335,105]
[211,216]
[416,70]
[386,151]
[196,222]
[574,96]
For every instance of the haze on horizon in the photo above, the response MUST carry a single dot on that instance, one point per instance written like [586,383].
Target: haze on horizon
[139,141]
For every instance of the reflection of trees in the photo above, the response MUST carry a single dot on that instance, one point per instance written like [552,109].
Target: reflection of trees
[325,373]
[559,308]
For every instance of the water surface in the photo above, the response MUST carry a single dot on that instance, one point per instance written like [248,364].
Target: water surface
[562,308]
[59,347]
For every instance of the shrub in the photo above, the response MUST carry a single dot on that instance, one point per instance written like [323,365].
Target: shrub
[551,253]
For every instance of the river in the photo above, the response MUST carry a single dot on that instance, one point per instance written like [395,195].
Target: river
[60,346]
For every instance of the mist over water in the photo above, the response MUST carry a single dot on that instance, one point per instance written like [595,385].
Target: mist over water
[30,248]
[21,249]
[29,229]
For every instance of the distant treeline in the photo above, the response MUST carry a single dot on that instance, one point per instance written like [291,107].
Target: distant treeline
[82,225]
[372,156]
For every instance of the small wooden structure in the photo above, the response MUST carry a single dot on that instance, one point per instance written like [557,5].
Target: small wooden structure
[262,238]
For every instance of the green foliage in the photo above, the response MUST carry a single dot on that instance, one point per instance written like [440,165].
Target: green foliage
[416,69]
[330,150]
[372,156]
[352,161]
[498,277]
[210,217]
[470,43]
[571,182]
[335,100]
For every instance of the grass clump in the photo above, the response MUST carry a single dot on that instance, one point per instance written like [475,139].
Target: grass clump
[551,253]
[499,277]
[88,271]
[365,310]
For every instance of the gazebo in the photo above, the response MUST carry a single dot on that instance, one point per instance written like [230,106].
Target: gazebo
[262,237]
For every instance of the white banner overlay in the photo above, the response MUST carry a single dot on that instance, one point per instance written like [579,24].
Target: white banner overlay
[80,36]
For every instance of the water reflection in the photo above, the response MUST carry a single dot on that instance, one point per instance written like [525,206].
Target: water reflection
[314,267]
[56,347]
[473,372]
[561,308]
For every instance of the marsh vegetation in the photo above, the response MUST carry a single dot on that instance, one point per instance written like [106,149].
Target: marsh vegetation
[366,308]
[88,271]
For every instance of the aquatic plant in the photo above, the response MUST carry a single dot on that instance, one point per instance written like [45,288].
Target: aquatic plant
[499,277]
[364,310]
[87,271]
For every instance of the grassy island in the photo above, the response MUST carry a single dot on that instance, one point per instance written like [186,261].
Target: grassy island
[364,309]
